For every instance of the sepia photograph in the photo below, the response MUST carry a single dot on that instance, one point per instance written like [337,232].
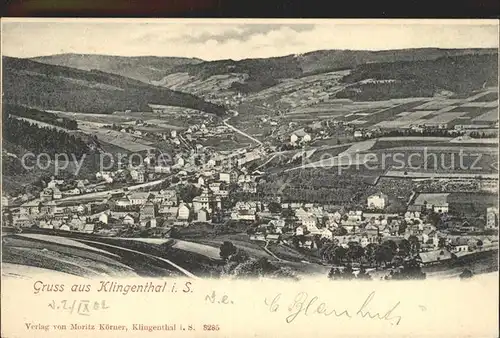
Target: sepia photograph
[236,149]
[249,178]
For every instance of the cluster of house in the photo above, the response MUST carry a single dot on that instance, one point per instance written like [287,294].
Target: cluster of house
[230,165]
[372,225]
[322,129]
[457,246]
[235,159]
[227,100]
[202,130]
[437,202]
[362,226]
[51,215]
[309,94]
[163,208]
[300,137]
[144,209]
[129,206]
[57,189]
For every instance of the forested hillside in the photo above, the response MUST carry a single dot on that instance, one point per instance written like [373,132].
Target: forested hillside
[457,74]
[44,86]
[41,140]
[42,116]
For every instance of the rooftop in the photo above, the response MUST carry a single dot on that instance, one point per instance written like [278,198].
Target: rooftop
[433,199]
[434,256]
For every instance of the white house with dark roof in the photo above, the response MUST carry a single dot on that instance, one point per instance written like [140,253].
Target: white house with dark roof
[243,215]
[310,222]
[435,256]
[30,208]
[139,198]
[129,219]
[123,202]
[202,215]
[46,194]
[183,212]
[438,202]
[377,201]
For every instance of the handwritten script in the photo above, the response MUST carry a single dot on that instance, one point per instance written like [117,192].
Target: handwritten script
[81,307]
[305,305]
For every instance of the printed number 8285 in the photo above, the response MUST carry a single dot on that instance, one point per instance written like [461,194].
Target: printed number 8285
[210,327]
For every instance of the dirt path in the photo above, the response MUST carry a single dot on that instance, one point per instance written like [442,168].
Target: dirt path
[272,254]
[241,132]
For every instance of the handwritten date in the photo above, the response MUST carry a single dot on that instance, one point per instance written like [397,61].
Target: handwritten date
[81,307]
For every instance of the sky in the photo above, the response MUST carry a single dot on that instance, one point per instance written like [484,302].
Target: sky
[236,39]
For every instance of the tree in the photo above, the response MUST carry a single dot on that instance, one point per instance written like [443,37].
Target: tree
[334,273]
[414,245]
[274,207]
[339,254]
[288,213]
[397,261]
[370,250]
[479,244]
[317,241]
[442,243]
[383,254]
[261,267]
[411,270]
[239,256]
[327,252]
[433,218]
[101,225]
[348,273]
[345,274]
[466,274]
[404,248]
[392,246]
[251,230]
[355,252]
[188,192]
[402,228]
[174,232]
[340,231]
[227,249]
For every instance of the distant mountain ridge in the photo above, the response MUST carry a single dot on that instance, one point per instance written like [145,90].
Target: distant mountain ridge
[43,86]
[143,68]
[324,60]
[263,72]
[266,72]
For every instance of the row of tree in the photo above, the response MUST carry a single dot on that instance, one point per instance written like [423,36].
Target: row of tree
[476,134]
[409,269]
[374,254]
